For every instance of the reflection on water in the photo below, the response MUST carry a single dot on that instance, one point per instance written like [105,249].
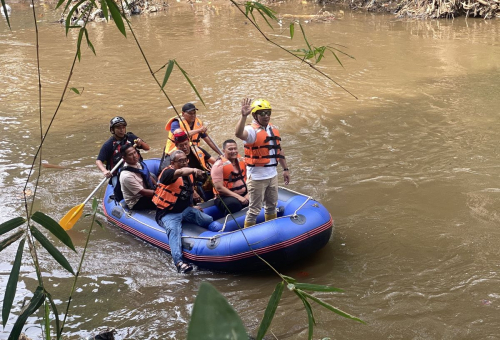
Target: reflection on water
[409,171]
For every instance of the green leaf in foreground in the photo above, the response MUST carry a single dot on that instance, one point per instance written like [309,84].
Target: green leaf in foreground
[189,81]
[333,309]
[272,305]
[11,224]
[56,314]
[292,30]
[10,290]
[310,315]
[104,8]
[317,288]
[56,254]
[74,89]
[48,223]
[117,16]
[213,318]
[170,67]
[11,239]
[35,303]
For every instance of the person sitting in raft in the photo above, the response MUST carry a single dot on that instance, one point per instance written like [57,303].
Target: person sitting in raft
[197,157]
[136,182]
[190,124]
[229,178]
[262,153]
[174,204]
[109,155]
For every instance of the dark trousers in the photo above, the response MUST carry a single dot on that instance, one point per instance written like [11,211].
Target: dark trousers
[144,203]
[232,204]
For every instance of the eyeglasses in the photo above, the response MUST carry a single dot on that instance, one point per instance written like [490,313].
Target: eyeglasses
[182,160]
[263,113]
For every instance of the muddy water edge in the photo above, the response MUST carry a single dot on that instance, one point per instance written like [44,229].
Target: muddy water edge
[409,170]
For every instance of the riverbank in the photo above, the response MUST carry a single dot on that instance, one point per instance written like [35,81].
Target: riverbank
[428,9]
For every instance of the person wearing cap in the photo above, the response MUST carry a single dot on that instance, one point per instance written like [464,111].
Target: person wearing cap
[109,155]
[174,204]
[263,152]
[192,125]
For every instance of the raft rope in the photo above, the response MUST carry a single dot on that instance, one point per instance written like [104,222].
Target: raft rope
[221,232]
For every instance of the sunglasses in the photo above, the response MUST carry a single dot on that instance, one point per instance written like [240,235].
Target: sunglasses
[182,160]
[263,113]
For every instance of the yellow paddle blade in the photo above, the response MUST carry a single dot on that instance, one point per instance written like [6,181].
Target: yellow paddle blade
[69,220]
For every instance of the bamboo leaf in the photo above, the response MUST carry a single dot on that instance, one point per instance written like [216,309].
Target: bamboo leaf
[310,315]
[292,30]
[189,81]
[79,44]
[104,8]
[100,224]
[70,14]
[56,314]
[60,2]
[272,305]
[95,204]
[54,227]
[289,279]
[333,309]
[89,44]
[117,16]
[304,35]
[213,318]
[46,321]
[6,13]
[338,60]
[74,89]
[167,73]
[11,224]
[317,288]
[11,239]
[263,16]
[10,290]
[56,254]
[35,303]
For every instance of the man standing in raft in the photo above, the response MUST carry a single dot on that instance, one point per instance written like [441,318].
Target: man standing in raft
[191,125]
[262,153]
[110,150]
[174,204]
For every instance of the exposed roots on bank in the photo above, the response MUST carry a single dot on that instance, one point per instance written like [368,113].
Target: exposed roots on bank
[133,7]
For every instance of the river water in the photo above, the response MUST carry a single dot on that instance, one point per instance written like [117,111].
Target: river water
[409,170]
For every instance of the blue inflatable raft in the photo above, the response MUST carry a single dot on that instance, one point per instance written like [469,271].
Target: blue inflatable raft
[303,227]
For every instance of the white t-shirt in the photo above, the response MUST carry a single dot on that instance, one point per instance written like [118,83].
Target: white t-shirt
[131,184]
[260,172]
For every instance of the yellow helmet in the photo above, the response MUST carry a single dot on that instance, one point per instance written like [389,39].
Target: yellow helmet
[260,104]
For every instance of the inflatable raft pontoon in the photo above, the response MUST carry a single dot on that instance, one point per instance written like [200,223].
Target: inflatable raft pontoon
[303,227]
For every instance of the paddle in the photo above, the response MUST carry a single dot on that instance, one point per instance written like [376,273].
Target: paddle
[218,149]
[69,220]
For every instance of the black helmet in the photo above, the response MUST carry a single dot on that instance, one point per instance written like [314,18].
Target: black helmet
[115,121]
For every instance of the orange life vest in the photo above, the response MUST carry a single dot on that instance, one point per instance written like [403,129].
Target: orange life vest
[231,177]
[257,154]
[199,155]
[166,195]
[184,125]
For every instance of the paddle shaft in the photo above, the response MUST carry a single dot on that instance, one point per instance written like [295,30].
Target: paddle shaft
[218,149]
[103,181]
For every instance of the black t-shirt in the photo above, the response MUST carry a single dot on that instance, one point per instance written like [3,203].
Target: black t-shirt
[110,150]
[185,198]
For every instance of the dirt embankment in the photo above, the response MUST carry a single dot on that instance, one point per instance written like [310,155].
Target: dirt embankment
[428,9]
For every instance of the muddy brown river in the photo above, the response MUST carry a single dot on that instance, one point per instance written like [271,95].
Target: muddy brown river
[409,170]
